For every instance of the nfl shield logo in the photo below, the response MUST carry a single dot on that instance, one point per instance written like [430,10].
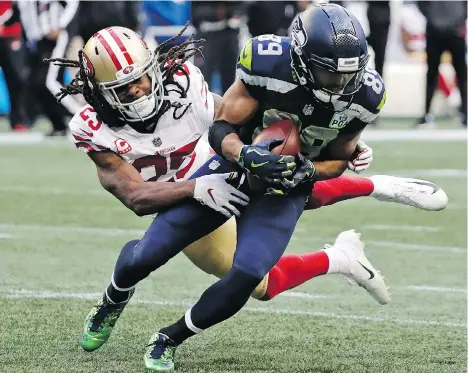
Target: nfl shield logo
[157,142]
[308,109]
[214,165]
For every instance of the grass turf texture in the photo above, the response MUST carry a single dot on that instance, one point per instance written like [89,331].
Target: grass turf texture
[53,272]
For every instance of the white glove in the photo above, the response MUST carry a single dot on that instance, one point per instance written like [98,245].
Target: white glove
[214,192]
[363,159]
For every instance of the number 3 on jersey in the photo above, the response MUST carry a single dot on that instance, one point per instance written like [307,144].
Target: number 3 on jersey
[273,46]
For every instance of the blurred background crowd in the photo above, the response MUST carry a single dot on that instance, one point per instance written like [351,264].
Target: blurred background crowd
[419,47]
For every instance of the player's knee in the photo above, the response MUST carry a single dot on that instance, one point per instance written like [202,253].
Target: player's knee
[241,281]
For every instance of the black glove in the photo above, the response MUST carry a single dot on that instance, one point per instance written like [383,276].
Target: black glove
[258,160]
[303,174]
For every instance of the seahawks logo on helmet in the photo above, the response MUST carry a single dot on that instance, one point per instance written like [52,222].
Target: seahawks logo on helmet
[299,34]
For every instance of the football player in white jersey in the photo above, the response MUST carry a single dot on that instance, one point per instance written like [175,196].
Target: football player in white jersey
[143,127]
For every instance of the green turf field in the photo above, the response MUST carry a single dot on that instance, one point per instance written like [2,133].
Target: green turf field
[60,235]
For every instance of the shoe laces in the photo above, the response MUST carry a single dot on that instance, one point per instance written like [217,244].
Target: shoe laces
[161,348]
[106,314]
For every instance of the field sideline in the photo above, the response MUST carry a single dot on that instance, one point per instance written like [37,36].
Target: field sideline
[60,234]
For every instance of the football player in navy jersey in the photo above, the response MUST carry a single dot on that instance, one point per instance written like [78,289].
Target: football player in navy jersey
[318,77]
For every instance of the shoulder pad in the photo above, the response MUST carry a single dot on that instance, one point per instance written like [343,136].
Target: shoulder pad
[263,55]
[372,94]
[265,61]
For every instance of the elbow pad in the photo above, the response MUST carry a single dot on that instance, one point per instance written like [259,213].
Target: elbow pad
[218,131]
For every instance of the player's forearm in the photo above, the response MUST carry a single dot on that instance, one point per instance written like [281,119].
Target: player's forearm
[152,197]
[225,141]
[325,170]
[231,147]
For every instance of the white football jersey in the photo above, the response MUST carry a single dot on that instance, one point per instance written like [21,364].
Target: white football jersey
[176,148]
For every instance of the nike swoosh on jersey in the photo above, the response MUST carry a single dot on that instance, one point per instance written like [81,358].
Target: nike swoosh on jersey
[89,134]
[368,270]
[210,193]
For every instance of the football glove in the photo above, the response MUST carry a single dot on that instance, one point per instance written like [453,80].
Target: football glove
[258,160]
[363,158]
[215,192]
[304,173]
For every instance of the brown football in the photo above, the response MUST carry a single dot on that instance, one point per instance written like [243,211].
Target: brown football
[283,129]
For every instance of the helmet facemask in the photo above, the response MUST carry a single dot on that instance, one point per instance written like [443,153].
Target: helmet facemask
[145,107]
[328,84]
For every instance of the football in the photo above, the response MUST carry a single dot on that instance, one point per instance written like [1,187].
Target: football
[283,129]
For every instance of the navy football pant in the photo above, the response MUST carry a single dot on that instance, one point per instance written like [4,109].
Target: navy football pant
[169,233]
[264,230]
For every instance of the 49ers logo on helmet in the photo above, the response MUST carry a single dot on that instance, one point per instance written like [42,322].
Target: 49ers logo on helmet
[88,66]
[122,146]
[128,69]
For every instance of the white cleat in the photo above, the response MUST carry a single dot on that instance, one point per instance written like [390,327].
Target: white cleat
[411,192]
[356,267]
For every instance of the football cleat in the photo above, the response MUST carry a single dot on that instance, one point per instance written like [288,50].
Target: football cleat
[160,351]
[357,268]
[100,322]
[411,192]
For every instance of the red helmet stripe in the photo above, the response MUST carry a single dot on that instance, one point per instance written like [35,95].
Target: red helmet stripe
[121,45]
[109,51]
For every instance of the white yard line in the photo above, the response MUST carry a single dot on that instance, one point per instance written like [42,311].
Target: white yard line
[410,228]
[414,135]
[410,246]
[4,236]
[431,173]
[436,289]
[53,191]
[31,294]
[139,233]
[70,229]
[294,294]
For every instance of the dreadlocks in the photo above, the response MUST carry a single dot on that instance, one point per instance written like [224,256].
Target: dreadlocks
[170,63]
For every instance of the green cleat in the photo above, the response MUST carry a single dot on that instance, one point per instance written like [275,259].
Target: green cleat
[160,353]
[100,322]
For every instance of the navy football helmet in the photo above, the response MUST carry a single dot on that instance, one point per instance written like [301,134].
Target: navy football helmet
[329,52]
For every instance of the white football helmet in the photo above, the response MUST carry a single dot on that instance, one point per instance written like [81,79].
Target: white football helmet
[116,56]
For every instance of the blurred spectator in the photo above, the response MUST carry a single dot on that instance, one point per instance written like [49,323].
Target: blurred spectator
[445,30]
[271,17]
[45,27]
[96,15]
[165,19]
[12,63]
[378,15]
[218,22]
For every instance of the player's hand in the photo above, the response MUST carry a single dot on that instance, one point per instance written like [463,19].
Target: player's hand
[215,192]
[363,158]
[258,160]
[304,173]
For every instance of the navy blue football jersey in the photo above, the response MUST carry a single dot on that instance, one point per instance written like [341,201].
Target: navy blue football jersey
[264,66]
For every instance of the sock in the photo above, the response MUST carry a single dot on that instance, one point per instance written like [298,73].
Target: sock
[116,294]
[328,192]
[220,301]
[293,270]
[182,329]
